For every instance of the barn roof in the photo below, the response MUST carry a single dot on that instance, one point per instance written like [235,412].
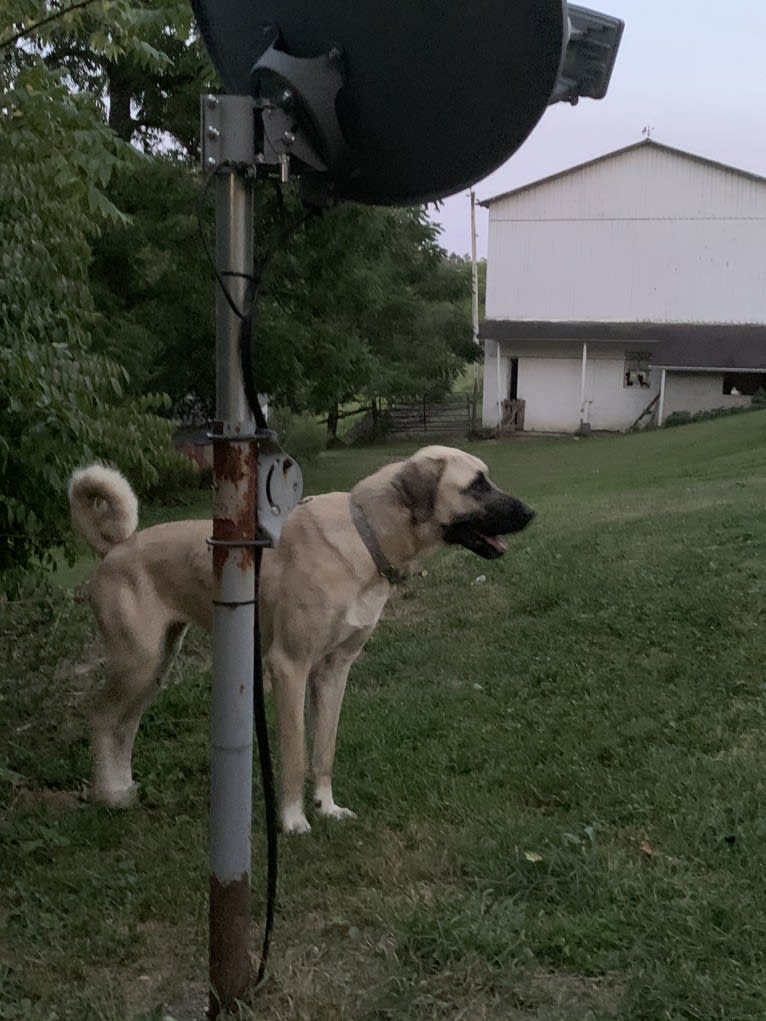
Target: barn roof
[644,143]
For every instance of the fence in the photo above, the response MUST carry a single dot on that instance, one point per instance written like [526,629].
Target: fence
[454,416]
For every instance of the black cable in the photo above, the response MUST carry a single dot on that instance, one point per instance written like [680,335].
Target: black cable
[267,780]
[247,328]
[246,315]
[201,198]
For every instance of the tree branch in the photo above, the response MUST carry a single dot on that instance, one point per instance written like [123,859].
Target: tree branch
[44,21]
[348,414]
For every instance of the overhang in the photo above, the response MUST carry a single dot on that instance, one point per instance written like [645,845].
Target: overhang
[743,349]
[518,329]
[724,346]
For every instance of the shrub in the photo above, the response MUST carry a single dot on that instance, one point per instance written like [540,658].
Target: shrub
[684,417]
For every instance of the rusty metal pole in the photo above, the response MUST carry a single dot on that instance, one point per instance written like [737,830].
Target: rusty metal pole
[234,573]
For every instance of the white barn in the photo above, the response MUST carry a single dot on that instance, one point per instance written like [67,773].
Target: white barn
[633,284]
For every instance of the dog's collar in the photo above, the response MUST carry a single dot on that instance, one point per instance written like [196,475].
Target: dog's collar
[385,568]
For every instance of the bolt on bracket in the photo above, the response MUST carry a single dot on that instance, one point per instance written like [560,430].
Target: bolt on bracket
[227,131]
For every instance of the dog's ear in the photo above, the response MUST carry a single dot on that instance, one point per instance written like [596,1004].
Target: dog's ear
[417,484]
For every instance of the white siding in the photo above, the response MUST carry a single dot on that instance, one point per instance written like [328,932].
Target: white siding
[611,404]
[551,389]
[647,235]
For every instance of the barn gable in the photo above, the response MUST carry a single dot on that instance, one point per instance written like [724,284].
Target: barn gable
[645,234]
[646,179]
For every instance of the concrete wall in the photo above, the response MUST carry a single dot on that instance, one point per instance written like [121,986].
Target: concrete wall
[697,391]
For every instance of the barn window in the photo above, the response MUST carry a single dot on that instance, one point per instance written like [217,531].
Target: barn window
[744,384]
[636,368]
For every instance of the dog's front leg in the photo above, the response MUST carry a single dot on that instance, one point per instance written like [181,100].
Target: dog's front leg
[327,685]
[288,682]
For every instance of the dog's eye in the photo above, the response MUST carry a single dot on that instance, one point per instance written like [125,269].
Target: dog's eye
[480,484]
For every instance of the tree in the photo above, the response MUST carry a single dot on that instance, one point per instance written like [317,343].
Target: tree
[141,59]
[422,335]
[61,403]
[376,309]
[153,286]
[358,304]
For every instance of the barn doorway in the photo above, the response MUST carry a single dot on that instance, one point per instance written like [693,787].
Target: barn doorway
[514,395]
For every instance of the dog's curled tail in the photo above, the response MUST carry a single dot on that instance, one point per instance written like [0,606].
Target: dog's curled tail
[103,505]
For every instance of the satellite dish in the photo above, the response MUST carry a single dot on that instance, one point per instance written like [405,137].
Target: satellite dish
[395,103]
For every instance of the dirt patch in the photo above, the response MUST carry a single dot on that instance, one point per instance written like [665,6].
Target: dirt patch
[28,800]
[591,996]
[168,978]
[324,970]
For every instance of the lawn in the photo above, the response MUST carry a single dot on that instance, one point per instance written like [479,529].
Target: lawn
[557,759]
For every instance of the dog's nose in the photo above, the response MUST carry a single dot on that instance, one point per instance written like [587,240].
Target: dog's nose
[525,514]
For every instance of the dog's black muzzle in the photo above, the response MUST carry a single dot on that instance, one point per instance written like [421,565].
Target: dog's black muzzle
[482,531]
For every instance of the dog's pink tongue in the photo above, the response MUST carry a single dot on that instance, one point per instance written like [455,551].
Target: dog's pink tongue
[497,541]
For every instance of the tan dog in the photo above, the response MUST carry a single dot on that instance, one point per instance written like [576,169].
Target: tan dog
[322,591]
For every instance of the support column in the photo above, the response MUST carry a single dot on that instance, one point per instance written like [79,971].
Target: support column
[584,424]
[474,273]
[234,577]
[499,394]
[661,408]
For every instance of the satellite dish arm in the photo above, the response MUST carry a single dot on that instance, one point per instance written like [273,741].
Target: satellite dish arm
[297,96]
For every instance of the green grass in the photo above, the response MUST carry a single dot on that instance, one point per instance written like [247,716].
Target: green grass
[560,775]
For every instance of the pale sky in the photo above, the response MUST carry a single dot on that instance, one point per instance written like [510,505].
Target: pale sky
[690,70]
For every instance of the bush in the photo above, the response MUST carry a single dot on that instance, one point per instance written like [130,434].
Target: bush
[677,418]
[300,435]
[685,417]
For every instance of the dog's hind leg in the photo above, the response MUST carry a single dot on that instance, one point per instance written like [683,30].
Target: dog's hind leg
[174,640]
[135,675]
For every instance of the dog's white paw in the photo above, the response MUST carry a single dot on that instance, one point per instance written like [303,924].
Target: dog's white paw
[294,821]
[121,797]
[333,811]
